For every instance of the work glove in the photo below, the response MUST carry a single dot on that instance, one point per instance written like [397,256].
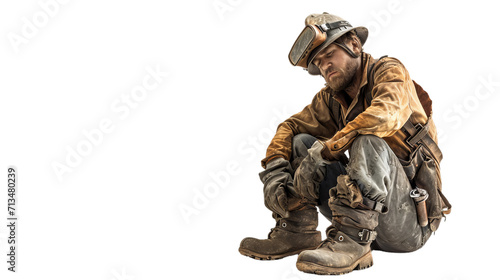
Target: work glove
[278,182]
[311,173]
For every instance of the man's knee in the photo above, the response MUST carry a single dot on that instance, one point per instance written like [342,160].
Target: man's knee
[370,166]
[368,140]
[369,148]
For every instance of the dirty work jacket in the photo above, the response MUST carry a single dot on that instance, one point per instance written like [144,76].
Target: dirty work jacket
[394,101]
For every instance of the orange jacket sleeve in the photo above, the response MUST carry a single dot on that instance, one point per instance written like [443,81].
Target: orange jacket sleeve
[389,110]
[315,119]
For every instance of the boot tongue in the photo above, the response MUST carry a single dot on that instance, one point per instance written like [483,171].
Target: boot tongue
[331,231]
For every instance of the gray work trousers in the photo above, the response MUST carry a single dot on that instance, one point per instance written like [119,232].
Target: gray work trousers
[380,177]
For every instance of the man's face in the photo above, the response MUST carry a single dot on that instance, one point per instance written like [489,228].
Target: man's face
[336,66]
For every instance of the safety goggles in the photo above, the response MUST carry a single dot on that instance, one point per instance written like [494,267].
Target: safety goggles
[310,38]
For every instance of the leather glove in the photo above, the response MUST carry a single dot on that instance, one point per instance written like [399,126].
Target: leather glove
[311,173]
[278,182]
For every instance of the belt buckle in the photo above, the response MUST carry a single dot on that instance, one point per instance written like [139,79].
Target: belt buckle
[418,127]
[365,234]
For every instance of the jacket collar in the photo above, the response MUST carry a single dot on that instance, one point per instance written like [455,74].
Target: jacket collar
[366,59]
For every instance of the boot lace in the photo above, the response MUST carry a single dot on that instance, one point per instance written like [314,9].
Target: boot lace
[275,228]
[330,234]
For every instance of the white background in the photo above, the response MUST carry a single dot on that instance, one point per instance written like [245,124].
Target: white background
[171,188]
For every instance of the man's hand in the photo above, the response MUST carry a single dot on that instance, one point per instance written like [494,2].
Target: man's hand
[311,172]
[277,181]
[330,155]
[275,200]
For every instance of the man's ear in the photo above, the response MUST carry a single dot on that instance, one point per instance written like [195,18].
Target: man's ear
[356,45]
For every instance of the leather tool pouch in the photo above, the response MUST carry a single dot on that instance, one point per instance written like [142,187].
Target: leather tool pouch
[423,172]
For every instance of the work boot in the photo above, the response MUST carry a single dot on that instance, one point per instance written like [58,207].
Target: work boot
[290,236]
[347,246]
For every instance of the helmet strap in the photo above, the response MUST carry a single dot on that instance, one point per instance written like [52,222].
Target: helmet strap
[348,50]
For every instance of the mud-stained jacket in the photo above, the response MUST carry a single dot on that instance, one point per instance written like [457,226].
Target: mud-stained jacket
[394,101]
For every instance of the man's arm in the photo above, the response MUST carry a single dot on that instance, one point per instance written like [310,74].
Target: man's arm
[389,109]
[314,119]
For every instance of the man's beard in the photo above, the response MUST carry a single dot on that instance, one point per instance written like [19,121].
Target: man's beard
[343,78]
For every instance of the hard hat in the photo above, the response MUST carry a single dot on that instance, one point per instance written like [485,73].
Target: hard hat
[321,30]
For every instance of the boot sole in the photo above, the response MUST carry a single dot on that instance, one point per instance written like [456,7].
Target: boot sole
[364,262]
[262,257]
